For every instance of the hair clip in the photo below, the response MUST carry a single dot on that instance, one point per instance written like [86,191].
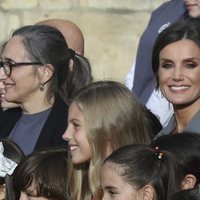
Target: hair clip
[7,166]
[158,153]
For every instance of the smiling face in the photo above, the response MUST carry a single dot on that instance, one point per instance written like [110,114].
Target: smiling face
[179,72]
[4,104]
[193,7]
[24,82]
[76,135]
[113,185]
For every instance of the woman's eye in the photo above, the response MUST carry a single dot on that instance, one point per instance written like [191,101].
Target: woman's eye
[191,65]
[166,65]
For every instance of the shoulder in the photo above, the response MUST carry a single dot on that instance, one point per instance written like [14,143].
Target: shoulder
[58,114]
[8,119]
[10,114]
[167,129]
[194,125]
[60,106]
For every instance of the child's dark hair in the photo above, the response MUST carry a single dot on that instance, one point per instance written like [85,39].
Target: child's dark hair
[45,169]
[143,165]
[13,152]
[190,194]
[186,148]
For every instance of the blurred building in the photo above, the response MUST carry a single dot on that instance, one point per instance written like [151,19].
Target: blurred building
[112,28]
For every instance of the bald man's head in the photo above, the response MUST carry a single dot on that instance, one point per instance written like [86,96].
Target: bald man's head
[71,32]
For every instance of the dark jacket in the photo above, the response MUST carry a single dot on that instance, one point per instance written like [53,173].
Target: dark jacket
[52,131]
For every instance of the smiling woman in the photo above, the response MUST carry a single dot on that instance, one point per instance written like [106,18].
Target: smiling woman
[176,64]
[179,72]
[37,66]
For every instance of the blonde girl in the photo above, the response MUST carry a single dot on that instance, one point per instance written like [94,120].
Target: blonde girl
[103,116]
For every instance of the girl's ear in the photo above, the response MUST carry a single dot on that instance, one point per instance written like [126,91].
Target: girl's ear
[188,182]
[46,73]
[147,192]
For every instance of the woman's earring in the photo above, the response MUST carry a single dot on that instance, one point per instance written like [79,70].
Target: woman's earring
[42,87]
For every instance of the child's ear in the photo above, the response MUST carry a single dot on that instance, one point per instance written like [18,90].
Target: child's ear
[46,73]
[188,182]
[147,192]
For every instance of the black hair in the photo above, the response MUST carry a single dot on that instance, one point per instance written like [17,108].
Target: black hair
[14,153]
[186,148]
[190,194]
[142,165]
[47,171]
[153,123]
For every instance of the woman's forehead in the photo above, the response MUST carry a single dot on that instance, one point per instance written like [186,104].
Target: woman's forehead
[14,49]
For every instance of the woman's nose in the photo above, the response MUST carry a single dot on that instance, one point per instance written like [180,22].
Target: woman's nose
[177,73]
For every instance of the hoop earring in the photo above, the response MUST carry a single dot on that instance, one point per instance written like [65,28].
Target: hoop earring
[42,87]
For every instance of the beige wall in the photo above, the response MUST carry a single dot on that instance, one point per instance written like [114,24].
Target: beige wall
[111,27]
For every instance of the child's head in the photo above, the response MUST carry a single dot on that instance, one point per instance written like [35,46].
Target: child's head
[43,174]
[108,109]
[186,148]
[103,116]
[139,171]
[190,194]
[10,156]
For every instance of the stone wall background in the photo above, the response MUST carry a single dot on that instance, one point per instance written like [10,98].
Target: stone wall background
[112,28]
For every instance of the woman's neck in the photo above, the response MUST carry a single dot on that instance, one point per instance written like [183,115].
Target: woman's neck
[36,106]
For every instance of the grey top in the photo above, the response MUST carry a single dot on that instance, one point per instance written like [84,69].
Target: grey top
[193,126]
[27,130]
